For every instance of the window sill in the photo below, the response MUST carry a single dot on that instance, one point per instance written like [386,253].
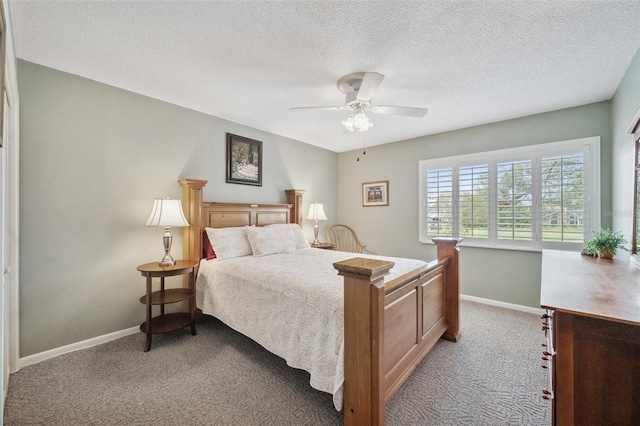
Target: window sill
[486,246]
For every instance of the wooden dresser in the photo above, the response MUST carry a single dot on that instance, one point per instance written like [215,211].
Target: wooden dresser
[592,324]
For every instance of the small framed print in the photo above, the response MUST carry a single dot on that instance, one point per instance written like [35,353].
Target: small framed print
[244,160]
[375,193]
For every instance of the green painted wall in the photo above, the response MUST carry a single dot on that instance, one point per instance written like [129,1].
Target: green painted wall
[93,158]
[624,105]
[503,275]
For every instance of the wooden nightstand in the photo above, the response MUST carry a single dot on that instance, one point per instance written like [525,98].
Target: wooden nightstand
[324,246]
[165,323]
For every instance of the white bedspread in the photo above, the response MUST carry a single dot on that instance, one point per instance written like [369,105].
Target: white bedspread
[291,304]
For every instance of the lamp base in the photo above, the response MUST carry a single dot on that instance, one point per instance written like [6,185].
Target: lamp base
[167,238]
[316,228]
[167,260]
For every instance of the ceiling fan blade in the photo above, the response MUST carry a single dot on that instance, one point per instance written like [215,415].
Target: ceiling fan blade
[396,110]
[369,85]
[321,108]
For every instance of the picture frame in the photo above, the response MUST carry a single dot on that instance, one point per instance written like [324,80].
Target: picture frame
[244,160]
[375,194]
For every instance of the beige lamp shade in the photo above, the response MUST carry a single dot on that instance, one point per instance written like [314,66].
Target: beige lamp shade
[316,212]
[167,213]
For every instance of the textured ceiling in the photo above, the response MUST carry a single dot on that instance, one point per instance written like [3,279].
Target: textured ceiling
[469,62]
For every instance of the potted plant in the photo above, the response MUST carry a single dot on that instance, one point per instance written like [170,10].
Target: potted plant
[605,243]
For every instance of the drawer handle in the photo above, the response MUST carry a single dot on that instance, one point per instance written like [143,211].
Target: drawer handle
[544,366]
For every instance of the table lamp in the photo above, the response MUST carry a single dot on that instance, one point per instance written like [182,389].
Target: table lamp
[167,214]
[316,213]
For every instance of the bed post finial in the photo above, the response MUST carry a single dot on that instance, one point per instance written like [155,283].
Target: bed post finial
[447,249]
[294,197]
[192,206]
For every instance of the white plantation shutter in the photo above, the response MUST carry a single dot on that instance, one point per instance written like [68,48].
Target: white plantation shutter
[563,197]
[439,210]
[532,197]
[473,201]
[514,207]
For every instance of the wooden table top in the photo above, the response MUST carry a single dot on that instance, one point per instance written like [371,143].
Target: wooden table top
[601,288]
[155,267]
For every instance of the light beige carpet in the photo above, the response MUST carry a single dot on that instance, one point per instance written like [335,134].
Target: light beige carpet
[492,376]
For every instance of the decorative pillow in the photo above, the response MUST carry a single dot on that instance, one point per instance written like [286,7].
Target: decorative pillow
[207,250]
[229,242]
[298,236]
[270,240]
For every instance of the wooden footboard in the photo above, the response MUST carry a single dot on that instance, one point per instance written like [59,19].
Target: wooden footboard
[389,328]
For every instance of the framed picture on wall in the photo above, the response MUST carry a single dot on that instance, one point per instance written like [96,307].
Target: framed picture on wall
[375,193]
[244,160]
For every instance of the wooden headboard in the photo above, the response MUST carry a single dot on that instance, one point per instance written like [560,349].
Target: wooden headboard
[201,214]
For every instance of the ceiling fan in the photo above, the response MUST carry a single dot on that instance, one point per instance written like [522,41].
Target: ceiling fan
[359,88]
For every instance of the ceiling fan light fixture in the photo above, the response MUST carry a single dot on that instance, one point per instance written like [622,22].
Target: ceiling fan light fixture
[357,121]
[359,89]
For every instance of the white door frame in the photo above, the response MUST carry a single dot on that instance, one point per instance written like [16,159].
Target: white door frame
[12,209]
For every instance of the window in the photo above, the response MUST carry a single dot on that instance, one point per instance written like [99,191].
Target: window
[540,196]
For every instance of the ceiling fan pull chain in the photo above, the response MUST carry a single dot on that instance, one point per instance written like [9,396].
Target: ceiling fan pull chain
[364,147]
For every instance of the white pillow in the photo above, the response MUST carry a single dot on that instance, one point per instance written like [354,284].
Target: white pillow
[298,236]
[270,240]
[229,242]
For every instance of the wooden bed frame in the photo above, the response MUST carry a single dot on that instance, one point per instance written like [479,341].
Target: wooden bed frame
[388,327]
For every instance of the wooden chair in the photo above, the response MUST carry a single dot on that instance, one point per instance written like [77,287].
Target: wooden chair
[344,238]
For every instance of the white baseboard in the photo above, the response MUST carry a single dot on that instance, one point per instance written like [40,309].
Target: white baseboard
[506,305]
[43,356]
